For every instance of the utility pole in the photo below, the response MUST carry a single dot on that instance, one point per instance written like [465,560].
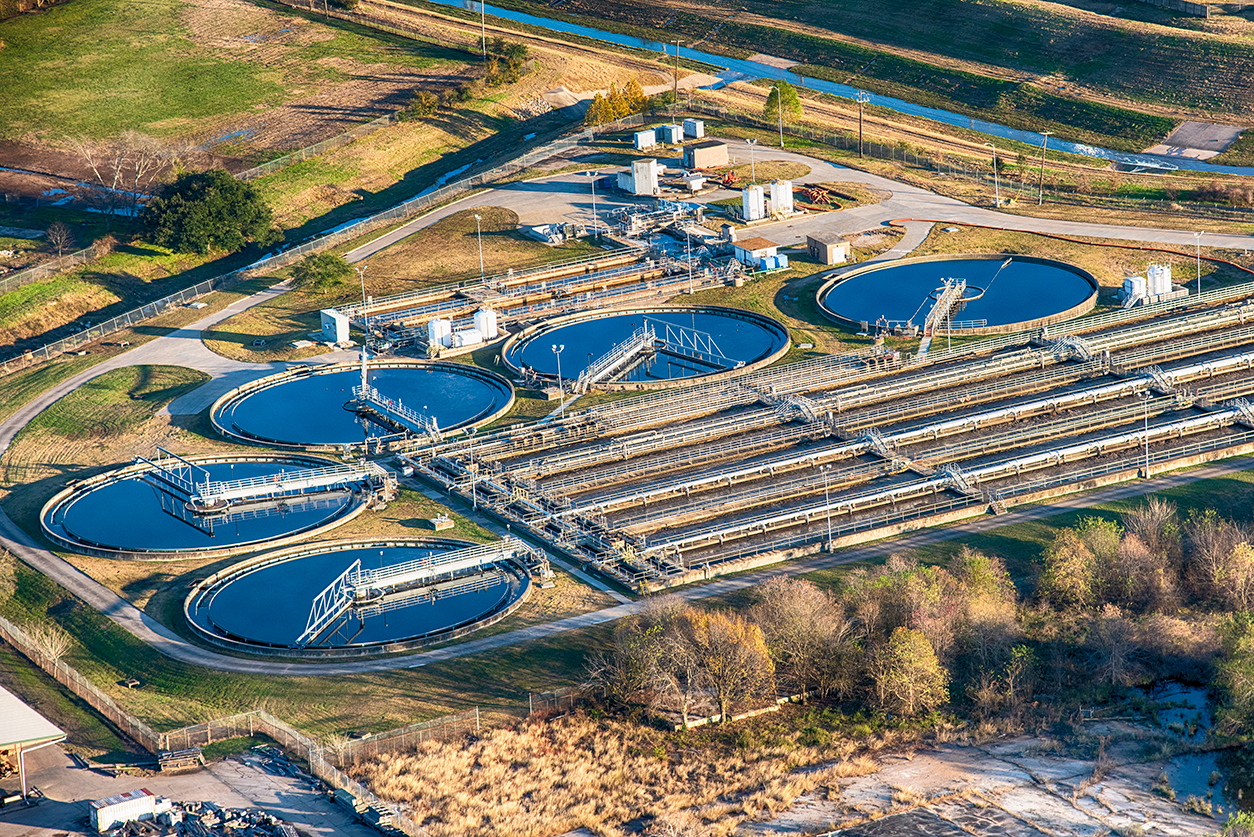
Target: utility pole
[779,100]
[675,101]
[753,168]
[827,498]
[595,225]
[863,98]
[1040,189]
[479,234]
[483,29]
[557,350]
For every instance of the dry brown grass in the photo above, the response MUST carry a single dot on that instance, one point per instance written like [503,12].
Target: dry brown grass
[545,778]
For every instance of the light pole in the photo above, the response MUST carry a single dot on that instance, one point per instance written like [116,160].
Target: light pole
[474,497]
[1145,400]
[595,227]
[1197,238]
[483,29]
[753,169]
[479,235]
[996,186]
[1040,189]
[688,246]
[779,100]
[557,350]
[365,313]
[863,98]
[827,502]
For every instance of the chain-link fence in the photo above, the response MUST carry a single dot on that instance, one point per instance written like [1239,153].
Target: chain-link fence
[407,210]
[79,685]
[49,269]
[337,141]
[1026,187]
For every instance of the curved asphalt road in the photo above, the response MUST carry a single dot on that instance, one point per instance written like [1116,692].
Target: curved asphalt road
[539,202]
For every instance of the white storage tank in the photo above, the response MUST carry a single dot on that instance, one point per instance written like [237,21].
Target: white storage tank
[781,197]
[671,134]
[694,128]
[644,139]
[115,811]
[485,321]
[753,203]
[1159,276]
[439,332]
[467,337]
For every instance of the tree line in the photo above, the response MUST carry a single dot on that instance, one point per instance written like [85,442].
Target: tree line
[1114,603]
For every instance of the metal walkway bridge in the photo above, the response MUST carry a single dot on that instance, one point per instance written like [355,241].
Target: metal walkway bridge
[174,474]
[359,587]
[392,413]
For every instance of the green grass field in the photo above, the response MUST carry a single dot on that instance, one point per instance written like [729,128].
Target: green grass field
[98,67]
[118,401]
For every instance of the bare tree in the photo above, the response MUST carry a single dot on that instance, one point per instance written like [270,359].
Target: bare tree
[1155,523]
[1211,539]
[125,171]
[1113,647]
[810,640]
[49,639]
[60,236]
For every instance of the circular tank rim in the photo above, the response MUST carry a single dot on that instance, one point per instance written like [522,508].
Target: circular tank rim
[79,487]
[1074,311]
[769,323]
[243,390]
[242,568]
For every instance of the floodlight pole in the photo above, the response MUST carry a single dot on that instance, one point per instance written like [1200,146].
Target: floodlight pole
[474,496]
[561,394]
[996,186]
[1040,189]
[595,226]
[1197,238]
[753,169]
[479,234]
[1145,400]
[675,101]
[483,28]
[688,244]
[365,312]
[827,500]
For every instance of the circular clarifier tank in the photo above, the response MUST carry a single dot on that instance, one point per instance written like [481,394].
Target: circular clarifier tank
[131,513]
[646,347]
[306,407]
[264,604]
[1025,293]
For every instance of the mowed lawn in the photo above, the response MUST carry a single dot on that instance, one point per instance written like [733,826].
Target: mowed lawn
[95,68]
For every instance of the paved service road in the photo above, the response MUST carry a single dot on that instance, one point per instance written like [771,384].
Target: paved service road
[568,197]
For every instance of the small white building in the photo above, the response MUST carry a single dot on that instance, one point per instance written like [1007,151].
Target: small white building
[642,179]
[753,203]
[644,139]
[828,248]
[693,182]
[781,197]
[334,326]
[752,251]
[670,134]
[694,128]
[116,811]
[464,337]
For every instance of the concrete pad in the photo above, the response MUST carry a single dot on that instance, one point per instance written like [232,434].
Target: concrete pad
[229,784]
[1198,140]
